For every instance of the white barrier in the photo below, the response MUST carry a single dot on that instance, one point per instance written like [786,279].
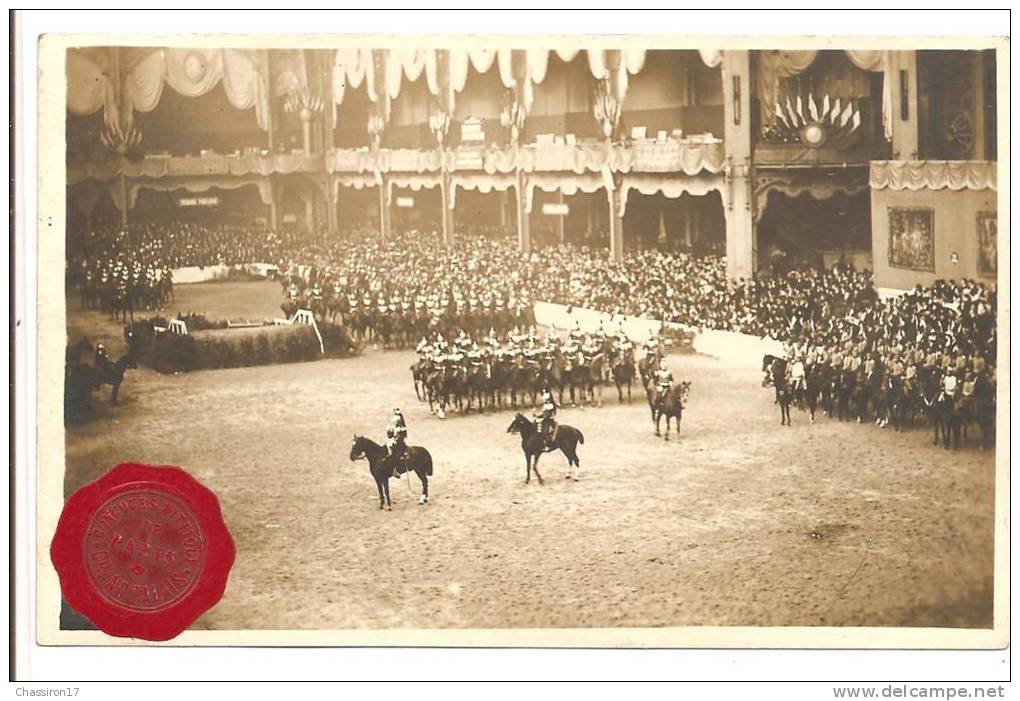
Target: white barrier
[564,318]
[193,274]
[729,346]
[178,327]
[304,316]
[736,348]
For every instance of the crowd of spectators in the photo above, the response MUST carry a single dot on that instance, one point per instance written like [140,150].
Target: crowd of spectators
[813,307]
[807,306]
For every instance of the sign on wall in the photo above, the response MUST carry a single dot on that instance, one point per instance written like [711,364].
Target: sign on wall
[988,245]
[556,208]
[198,202]
[912,238]
[405,202]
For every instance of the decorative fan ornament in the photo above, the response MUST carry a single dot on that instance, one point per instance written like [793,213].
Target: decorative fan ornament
[123,142]
[813,134]
[960,134]
[815,123]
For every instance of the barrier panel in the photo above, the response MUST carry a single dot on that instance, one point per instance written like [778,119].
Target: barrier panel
[733,348]
[193,274]
[564,317]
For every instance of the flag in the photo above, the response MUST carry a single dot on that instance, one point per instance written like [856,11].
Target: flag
[835,112]
[789,111]
[812,109]
[825,106]
[856,120]
[847,113]
[780,115]
[800,109]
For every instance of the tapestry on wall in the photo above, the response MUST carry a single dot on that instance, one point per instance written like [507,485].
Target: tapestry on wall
[988,244]
[912,238]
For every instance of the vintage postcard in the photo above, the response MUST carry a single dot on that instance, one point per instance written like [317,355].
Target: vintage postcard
[569,341]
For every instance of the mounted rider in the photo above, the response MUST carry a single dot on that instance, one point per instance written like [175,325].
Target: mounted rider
[622,343]
[797,374]
[492,340]
[475,356]
[651,344]
[396,439]
[950,386]
[663,381]
[423,349]
[576,334]
[547,426]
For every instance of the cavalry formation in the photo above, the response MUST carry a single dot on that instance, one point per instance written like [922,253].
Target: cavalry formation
[895,392]
[512,372]
[516,372]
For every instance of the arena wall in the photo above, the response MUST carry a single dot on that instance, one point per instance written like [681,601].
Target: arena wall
[192,274]
[955,231]
[733,348]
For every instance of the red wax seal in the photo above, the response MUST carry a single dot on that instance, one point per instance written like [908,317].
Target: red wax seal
[143,551]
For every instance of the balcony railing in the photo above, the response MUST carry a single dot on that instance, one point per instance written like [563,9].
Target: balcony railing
[687,157]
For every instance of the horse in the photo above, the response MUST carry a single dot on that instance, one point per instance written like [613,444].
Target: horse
[533,444]
[112,374]
[415,459]
[418,371]
[774,372]
[436,391]
[623,374]
[816,379]
[980,409]
[670,405]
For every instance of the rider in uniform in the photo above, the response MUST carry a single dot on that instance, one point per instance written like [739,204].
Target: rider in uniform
[663,381]
[797,373]
[623,344]
[547,426]
[651,344]
[396,439]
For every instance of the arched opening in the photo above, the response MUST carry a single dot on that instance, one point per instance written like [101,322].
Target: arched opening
[181,125]
[802,230]
[692,223]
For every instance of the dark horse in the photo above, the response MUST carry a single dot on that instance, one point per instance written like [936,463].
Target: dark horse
[107,373]
[416,459]
[776,374]
[623,373]
[774,370]
[534,444]
[670,405]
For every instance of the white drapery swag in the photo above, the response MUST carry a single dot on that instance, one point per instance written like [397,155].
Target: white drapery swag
[194,72]
[351,67]
[89,88]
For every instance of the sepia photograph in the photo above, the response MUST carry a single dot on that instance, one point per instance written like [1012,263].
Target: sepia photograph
[546,340]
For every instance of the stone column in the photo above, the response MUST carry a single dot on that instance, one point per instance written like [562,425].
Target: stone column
[902,67]
[615,225]
[384,210]
[523,225]
[741,241]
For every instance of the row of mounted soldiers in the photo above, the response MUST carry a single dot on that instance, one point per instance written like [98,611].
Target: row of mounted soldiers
[515,369]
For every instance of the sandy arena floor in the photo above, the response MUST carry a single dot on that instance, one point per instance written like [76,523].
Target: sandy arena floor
[740,522]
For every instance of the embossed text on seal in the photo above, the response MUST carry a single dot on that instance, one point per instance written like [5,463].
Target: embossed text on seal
[144,550]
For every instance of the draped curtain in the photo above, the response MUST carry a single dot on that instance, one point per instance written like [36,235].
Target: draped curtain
[191,185]
[934,175]
[772,67]
[89,88]
[194,72]
[776,65]
[670,187]
[353,66]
